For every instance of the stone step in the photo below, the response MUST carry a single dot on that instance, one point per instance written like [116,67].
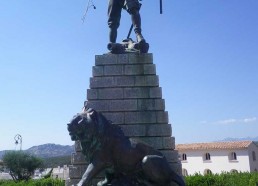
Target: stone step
[124,69]
[124,93]
[141,117]
[112,59]
[124,81]
[127,105]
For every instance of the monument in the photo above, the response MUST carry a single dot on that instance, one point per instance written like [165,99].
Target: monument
[124,88]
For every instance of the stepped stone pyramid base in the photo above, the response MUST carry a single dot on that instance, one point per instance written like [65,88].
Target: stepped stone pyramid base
[125,88]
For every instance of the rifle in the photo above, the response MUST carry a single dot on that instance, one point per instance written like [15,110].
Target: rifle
[89,5]
[160,11]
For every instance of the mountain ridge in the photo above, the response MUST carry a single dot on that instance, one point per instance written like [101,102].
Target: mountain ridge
[47,150]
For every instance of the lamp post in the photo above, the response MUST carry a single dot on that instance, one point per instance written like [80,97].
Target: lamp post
[18,140]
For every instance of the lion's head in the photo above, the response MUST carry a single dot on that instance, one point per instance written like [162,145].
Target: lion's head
[81,127]
[84,126]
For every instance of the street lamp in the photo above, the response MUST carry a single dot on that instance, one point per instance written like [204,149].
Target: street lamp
[18,140]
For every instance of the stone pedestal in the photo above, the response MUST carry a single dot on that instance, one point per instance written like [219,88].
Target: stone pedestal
[125,88]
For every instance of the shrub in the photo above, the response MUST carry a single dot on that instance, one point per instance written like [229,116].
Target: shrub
[41,182]
[224,179]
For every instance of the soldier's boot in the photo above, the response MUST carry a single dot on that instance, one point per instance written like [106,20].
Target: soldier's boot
[136,20]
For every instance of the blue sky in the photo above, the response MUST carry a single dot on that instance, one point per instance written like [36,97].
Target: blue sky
[206,54]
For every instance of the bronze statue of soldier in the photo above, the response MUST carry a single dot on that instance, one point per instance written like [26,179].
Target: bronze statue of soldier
[114,15]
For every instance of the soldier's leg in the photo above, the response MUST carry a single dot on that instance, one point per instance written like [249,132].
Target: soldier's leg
[133,8]
[114,16]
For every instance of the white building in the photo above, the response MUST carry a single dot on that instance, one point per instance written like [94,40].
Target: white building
[218,157]
[61,172]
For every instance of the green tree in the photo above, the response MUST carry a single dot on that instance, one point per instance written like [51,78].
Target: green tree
[21,165]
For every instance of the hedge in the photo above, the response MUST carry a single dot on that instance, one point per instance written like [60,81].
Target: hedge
[224,179]
[40,182]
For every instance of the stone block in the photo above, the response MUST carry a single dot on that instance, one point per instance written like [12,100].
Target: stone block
[147,117]
[97,71]
[98,105]
[106,59]
[113,105]
[123,105]
[124,81]
[122,58]
[113,70]
[142,69]
[168,143]
[140,117]
[140,58]
[76,171]
[155,92]
[162,117]
[78,158]
[159,130]
[134,69]
[160,143]
[115,117]
[150,69]
[147,80]
[134,130]
[132,92]
[150,104]
[171,155]
[111,93]
[101,82]
[92,94]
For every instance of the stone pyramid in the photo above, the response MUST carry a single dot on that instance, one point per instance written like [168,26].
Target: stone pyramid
[125,88]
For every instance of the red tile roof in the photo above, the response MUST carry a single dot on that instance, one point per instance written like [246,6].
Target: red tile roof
[214,145]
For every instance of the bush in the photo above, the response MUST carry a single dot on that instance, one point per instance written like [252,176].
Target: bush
[41,182]
[224,179]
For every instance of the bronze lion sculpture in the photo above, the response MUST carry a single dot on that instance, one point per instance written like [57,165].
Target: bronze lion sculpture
[125,161]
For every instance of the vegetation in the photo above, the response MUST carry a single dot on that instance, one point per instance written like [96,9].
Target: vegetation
[224,179]
[21,165]
[41,182]
[56,161]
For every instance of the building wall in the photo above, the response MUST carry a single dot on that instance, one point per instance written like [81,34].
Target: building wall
[219,161]
[253,158]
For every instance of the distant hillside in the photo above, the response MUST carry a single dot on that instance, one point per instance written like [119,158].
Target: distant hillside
[48,150]
[51,150]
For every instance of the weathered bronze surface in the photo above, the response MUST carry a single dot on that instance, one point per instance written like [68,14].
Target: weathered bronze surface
[125,161]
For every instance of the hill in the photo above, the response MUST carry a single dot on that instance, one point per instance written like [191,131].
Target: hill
[51,150]
[48,150]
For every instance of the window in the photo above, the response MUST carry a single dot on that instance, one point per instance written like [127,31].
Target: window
[184,157]
[254,156]
[232,156]
[184,172]
[207,171]
[207,156]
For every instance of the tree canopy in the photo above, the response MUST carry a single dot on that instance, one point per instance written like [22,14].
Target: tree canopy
[21,165]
